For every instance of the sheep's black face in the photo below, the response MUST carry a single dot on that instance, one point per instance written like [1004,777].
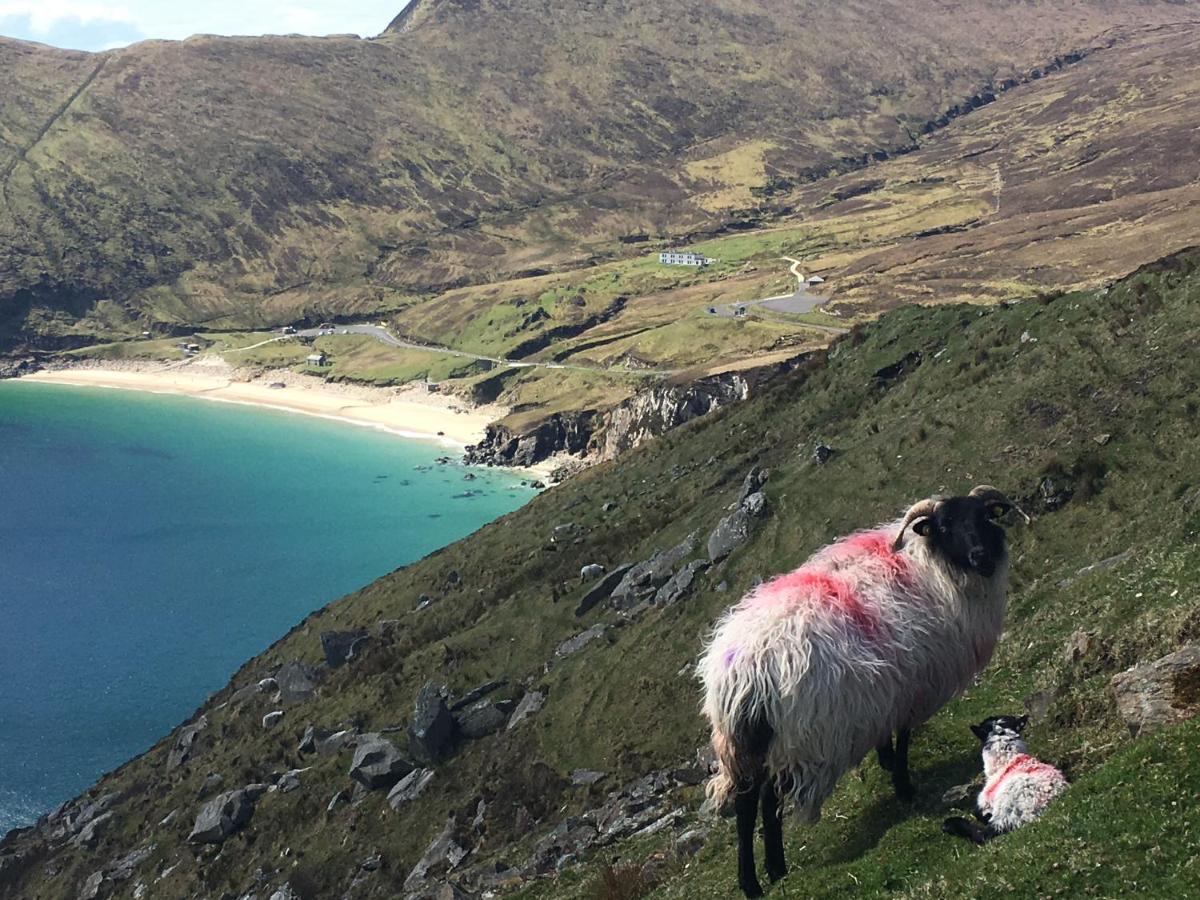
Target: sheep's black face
[962,530]
[1000,726]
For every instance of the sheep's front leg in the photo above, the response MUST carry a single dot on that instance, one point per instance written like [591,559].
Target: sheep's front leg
[746,808]
[972,831]
[901,782]
[772,818]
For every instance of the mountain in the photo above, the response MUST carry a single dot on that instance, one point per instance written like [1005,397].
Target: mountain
[246,182]
[1079,405]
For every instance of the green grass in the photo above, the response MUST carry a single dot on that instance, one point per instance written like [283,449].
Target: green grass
[982,406]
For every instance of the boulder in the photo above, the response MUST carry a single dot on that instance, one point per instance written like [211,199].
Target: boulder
[377,763]
[1154,695]
[586,777]
[530,704]
[432,732]
[602,590]
[89,835]
[322,741]
[409,787]
[186,744]
[753,482]
[289,781]
[644,579]
[222,816]
[690,842]
[734,530]
[343,646]
[122,868]
[445,854]
[94,887]
[581,640]
[483,718]
[680,584]
[297,683]
[476,693]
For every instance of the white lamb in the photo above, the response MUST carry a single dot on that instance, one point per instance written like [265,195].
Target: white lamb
[1018,787]
[873,635]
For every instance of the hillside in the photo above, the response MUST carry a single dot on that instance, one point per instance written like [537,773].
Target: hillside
[1080,405]
[234,183]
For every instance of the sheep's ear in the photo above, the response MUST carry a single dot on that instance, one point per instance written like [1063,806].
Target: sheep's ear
[980,731]
[923,527]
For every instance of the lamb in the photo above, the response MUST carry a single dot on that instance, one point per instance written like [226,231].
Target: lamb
[874,634]
[1018,787]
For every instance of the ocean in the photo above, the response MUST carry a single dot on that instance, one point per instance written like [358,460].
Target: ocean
[149,545]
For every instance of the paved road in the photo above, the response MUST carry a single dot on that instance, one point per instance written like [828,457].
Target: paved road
[799,302]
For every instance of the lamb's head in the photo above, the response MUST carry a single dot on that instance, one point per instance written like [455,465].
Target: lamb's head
[963,530]
[1001,739]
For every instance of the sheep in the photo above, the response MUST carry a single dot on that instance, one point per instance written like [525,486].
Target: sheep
[1018,787]
[870,637]
[590,571]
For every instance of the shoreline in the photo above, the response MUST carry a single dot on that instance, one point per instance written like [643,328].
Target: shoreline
[408,412]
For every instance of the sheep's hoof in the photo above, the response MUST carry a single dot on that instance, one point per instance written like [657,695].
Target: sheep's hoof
[774,873]
[753,889]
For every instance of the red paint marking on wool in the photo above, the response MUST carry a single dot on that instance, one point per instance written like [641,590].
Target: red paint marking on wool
[811,584]
[872,545]
[1022,764]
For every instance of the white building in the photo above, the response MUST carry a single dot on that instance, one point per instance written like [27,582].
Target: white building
[680,258]
[815,279]
[316,359]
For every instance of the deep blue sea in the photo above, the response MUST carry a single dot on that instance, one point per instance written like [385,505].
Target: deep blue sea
[150,544]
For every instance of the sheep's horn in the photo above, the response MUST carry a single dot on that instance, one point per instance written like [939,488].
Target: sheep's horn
[919,510]
[989,494]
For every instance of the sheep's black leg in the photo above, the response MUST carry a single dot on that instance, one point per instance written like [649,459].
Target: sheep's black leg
[772,818]
[901,782]
[965,828]
[887,756]
[746,807]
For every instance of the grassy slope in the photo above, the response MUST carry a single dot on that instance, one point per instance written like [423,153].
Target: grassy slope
[988,407]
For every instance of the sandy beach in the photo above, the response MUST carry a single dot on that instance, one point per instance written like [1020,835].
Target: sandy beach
[409,412]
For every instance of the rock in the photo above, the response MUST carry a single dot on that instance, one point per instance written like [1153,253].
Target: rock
[483,718]
[591,571]
[343,646]
[530,704]
[122,868]
[371,863]
[586,777]
[273,718]
[1153,695]
[91,833]
[288,781]
[449,891]
[222,816]
[312,734]
[432,732]
[424,601]
[734,530]
[1080,645]
[691,842]
[338,799]
[445,854]
[680,584]
[644,579]
[1108,563]
[603,590]
[689,775]
[1038,703]
[1055,492]
[211,782]
[409,787]
[297,683]
[93,887]
[285,892]
[958,797]
[476,693]
[754,481]
[822,453]
[377,763]
[577,643]
[186,744]
[1102,439]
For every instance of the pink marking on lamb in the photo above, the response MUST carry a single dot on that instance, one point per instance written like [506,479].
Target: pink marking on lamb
[806,585]
[1021,764]
[730,656]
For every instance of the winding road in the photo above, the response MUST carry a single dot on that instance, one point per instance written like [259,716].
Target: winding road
[797,303]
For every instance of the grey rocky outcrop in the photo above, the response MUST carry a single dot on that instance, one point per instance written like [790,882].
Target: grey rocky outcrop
[340,647]
[735,529]
[297,683]
[483,718]
[578,642]
[322,741]
[680,584]
[530,704]
[377,763]
[602,590]
[409,787]
[432,732]
[225,814]
[186,744]
[477,693]
[642,581]
[1154,695]
[445,854]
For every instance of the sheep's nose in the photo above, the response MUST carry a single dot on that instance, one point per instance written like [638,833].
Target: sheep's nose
[976,556]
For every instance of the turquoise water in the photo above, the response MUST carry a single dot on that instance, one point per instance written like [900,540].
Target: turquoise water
[149,545]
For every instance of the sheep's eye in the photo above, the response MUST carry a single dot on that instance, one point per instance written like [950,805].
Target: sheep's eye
[997,510]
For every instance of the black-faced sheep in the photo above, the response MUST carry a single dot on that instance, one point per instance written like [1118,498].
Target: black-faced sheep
[874,634]
[1018,787]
